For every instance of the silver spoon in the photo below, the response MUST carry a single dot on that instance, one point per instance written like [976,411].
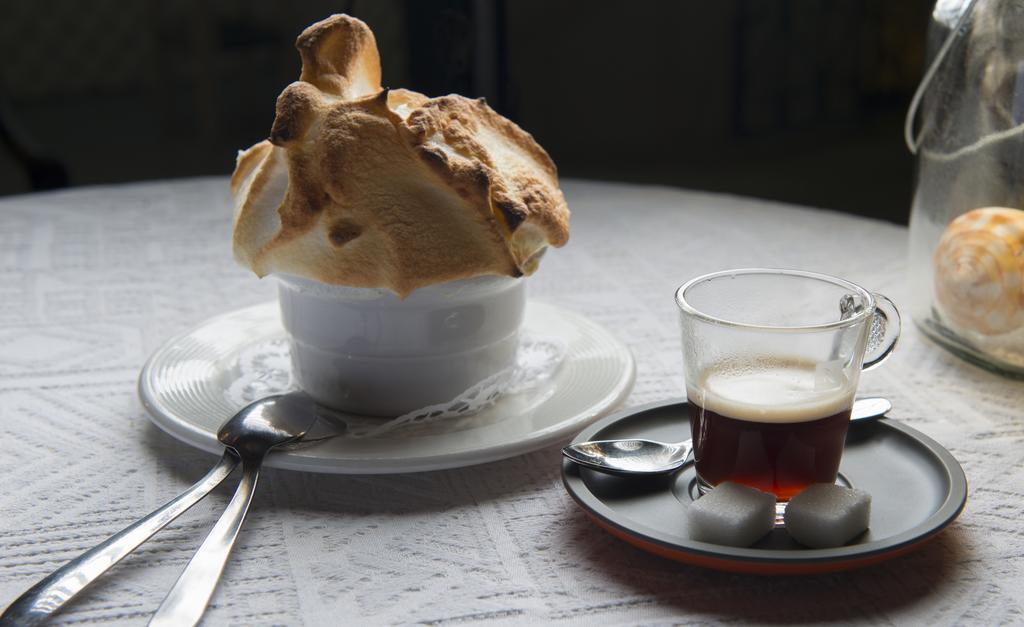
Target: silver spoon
[648,457]
[62,585]
[251,434]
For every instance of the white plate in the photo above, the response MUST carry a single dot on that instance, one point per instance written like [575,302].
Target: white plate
[184,384]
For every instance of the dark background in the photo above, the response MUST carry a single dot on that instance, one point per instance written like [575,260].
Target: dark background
[796,100]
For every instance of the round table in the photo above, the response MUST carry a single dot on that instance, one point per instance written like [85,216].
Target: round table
[93,280]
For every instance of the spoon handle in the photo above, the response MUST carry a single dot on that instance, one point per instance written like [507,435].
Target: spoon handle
[187,600]
[60,586]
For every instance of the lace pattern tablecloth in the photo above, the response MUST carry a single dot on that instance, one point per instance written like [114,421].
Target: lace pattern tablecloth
[93,280]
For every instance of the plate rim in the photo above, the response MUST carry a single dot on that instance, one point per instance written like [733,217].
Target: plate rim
[193,435]
[768,561]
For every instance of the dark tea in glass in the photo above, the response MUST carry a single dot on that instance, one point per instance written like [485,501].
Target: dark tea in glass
[772,361]
[773,429]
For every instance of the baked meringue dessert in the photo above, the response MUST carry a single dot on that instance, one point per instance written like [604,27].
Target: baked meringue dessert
[399,228]
[363,186]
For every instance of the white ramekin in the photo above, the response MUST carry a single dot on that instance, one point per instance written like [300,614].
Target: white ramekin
[366,351]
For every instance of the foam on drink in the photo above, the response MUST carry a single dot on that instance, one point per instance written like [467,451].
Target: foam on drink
[775,390]
[777,425]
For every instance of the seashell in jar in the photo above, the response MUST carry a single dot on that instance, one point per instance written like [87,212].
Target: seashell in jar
[979,270]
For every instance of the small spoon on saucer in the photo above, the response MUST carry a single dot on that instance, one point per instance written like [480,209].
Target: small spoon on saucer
[648,457]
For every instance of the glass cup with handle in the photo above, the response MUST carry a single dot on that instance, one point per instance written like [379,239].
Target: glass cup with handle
[772,362]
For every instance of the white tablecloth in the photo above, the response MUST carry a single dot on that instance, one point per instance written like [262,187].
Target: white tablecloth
[93,280]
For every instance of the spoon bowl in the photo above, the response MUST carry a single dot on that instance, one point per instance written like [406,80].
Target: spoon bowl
[635,456]
[268,423]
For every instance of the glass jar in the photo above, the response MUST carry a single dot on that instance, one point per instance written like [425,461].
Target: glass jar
[966,224]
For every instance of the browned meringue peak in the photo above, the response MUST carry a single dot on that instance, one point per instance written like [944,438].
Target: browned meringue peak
[368,187]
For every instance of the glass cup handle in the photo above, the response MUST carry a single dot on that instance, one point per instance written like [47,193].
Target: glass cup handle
[885,330]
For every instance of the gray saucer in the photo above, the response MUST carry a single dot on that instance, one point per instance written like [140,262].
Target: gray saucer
[916,485]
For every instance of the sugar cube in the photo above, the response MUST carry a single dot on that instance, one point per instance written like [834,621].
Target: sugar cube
[826,515]
[732,514]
